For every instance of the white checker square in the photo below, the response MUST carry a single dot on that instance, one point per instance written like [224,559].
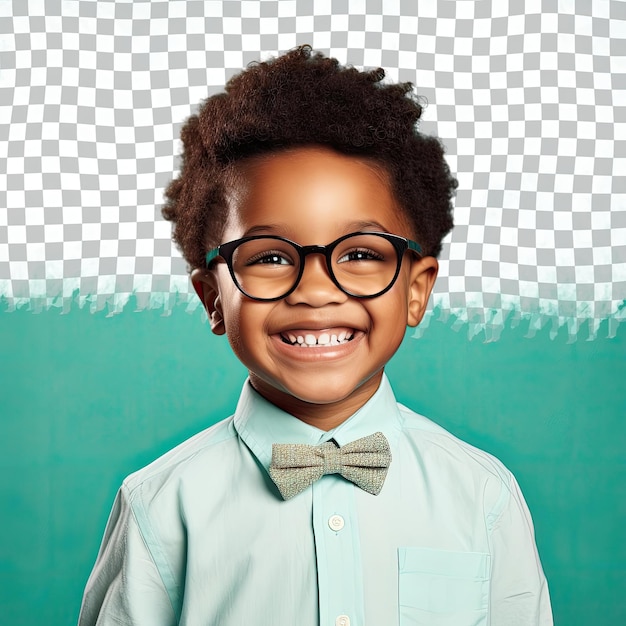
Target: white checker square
[54,269]
[509,271]
[585,274]
[90,267]
[473,268]
[106,284]
[126,265]
[162,265]
[145,248]
[564,257]
[72,250]
[18,270]
[109,248]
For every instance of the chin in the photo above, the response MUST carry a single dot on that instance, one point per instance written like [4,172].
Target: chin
[331,390]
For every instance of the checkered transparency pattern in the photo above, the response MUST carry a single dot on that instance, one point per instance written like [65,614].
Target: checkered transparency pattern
[528,97]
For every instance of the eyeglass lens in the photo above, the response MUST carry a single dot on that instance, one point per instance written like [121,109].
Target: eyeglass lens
[363,265]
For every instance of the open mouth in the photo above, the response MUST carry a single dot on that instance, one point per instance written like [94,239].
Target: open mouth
[309,339]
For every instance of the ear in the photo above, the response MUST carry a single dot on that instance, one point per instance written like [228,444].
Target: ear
[422,276]
[207,287]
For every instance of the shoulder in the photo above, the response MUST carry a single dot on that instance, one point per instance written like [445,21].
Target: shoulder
[464,467]
[202,450]
[436,440]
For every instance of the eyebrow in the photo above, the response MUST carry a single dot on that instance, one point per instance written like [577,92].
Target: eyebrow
[263,229]
[366,225]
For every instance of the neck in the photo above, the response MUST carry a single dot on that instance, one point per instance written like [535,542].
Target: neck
[323,416]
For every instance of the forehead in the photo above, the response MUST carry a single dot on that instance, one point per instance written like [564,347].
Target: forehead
[314,190]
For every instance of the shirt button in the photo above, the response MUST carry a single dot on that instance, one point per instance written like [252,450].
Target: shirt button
[342,620]
[336,523]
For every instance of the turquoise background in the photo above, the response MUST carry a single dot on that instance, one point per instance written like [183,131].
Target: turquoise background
[87,399]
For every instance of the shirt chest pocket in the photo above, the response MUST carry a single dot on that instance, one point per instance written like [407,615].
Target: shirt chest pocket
[442,588]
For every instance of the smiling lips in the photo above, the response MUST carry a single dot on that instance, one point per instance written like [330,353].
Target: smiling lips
[312,339]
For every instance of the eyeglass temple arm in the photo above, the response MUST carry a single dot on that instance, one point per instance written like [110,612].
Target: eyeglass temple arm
[413,245]
[212,254]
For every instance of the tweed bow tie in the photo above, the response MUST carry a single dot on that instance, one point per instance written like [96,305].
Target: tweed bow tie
[364,462]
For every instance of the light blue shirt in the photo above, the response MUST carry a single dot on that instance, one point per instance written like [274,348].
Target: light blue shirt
[201,537]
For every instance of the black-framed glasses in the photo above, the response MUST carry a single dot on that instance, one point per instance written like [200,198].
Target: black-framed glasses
[268,268]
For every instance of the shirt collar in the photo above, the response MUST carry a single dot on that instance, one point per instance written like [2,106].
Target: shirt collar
[260,423]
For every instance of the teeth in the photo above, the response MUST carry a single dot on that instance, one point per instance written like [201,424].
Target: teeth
[325,339]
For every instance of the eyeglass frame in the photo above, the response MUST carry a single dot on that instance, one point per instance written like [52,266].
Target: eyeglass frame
[226,251]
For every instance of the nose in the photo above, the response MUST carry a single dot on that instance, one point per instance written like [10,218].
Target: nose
[316,288]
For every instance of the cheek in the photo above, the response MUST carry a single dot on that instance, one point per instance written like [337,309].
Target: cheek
[231,313]
[402,289]
[388,317]
[245,324]
[391,315]
[400,292]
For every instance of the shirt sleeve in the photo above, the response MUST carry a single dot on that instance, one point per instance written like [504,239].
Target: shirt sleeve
[125,586]
[519,591]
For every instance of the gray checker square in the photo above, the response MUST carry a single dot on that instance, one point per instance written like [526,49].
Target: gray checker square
[528,99]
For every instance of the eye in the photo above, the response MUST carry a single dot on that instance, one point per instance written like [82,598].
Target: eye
[360,254]
[270,257]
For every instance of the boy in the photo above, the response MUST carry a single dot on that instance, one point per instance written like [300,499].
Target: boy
[311,212]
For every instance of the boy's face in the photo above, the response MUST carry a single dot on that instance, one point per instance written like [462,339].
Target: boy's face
[314,196]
